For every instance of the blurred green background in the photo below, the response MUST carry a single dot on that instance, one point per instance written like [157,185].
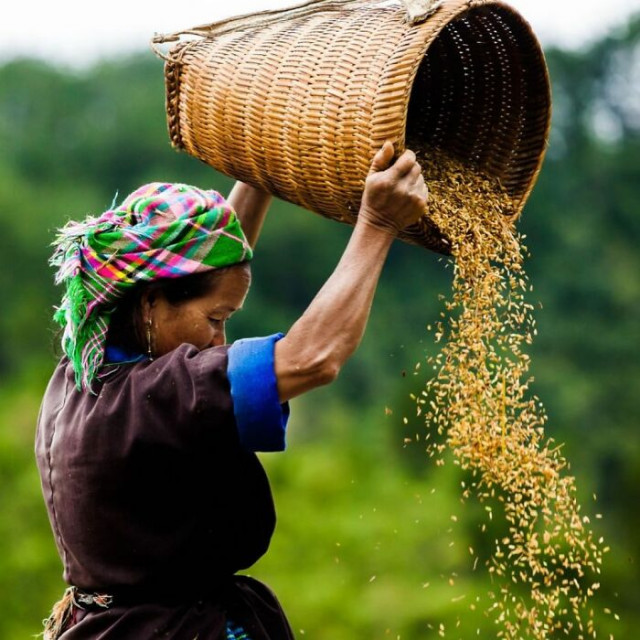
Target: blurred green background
[366,545]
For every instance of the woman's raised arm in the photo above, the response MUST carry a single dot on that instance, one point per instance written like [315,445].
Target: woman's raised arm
[251,205]
[329,331]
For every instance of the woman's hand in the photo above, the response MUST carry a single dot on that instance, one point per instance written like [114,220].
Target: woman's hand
[395,195]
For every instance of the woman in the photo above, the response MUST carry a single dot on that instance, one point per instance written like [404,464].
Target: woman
[148,428]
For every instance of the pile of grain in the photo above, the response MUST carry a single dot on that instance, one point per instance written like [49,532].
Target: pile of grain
[480,404]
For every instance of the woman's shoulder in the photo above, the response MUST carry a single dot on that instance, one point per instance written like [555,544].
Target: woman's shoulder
[184,384]
[174,400]
[186,365]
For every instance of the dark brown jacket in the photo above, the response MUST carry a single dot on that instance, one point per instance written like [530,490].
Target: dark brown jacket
[152,499]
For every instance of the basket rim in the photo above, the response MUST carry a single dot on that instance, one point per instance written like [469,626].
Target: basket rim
[458,9]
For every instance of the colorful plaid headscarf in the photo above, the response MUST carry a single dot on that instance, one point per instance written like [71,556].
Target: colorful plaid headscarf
[159,231]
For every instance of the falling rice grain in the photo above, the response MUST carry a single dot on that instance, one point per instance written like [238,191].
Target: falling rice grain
[480,404]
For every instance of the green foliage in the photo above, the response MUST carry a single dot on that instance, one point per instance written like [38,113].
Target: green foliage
[364,520]
[30,571]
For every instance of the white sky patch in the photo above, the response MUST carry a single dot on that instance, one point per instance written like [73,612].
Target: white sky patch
[78,33]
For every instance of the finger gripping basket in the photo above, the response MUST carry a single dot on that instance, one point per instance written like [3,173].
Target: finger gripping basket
[298,102]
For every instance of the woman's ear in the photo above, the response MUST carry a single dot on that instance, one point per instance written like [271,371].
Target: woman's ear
[148,301]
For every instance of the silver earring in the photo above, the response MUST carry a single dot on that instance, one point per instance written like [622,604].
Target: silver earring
[149,349]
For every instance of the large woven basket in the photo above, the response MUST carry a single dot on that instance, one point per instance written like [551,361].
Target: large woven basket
[298,102]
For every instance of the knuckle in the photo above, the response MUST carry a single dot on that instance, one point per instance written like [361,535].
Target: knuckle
[372,181]
[384,182]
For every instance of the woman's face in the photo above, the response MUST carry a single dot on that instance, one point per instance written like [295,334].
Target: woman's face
[199,321]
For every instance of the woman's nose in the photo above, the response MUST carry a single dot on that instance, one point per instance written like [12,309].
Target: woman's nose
[219,338]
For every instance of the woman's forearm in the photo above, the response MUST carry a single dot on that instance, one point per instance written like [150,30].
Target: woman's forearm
[330,330]
[251,205]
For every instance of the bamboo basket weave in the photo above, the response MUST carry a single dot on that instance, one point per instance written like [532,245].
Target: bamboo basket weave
[298,102]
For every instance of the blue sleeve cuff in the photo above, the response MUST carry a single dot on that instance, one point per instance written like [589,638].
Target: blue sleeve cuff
[261,419]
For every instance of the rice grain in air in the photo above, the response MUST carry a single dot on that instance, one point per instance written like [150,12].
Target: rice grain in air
[480,404]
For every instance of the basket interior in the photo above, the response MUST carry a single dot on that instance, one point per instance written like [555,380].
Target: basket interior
[481,95]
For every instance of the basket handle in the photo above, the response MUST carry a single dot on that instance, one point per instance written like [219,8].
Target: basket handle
[417,11]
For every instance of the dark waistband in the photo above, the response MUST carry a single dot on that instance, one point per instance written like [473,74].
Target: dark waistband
[107,598]
[244,599]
